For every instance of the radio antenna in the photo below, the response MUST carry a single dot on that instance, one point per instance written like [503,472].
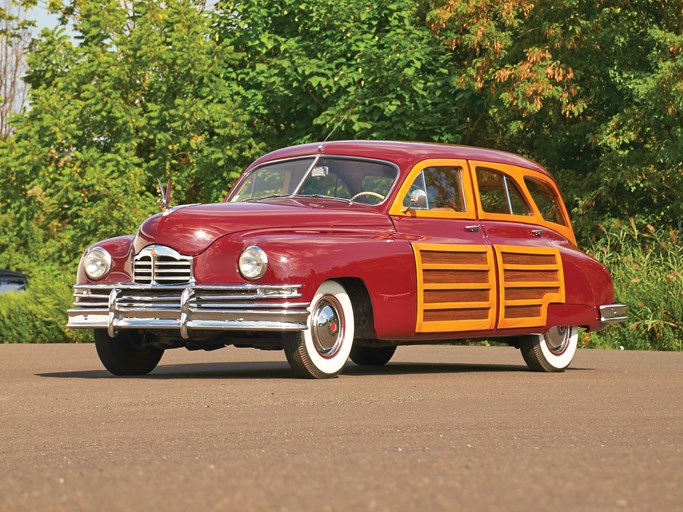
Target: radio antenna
[334,129]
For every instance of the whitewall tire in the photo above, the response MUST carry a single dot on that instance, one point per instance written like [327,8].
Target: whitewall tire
[551,351]
[321,351]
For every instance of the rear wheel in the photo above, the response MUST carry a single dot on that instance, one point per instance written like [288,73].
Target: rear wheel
[321,351]
[372,356]
[552,351]
[124,354]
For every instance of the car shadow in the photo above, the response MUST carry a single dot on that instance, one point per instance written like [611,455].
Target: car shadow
[281,370]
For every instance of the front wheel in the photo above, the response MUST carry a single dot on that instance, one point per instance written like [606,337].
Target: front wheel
[124,354]
[321,351]
[552,351]
[372,356]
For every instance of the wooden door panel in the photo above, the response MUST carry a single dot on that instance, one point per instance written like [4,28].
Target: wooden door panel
[456,287]
[529,278]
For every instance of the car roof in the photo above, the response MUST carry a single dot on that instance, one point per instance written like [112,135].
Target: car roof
[404,154]
[13,275]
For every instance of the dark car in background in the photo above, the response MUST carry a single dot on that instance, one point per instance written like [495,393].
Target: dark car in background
[12,281]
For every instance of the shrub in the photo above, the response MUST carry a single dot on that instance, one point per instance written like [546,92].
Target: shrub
[647,269]
[39,314]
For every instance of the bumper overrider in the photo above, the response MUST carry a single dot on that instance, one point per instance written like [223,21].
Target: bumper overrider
[188,306]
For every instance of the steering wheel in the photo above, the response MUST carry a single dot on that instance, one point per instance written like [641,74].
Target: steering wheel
[368,193]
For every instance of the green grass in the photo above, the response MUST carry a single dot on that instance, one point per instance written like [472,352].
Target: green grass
[647,270]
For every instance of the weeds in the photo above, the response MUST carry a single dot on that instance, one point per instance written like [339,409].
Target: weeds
[647,270]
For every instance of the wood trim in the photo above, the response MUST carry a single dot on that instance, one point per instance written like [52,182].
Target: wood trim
[525,291]
[397,205]
[456,290]
[517,174]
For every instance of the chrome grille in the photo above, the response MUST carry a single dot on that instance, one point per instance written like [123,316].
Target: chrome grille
[158,264]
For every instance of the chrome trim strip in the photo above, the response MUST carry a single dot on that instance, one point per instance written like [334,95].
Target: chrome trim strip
[160,287]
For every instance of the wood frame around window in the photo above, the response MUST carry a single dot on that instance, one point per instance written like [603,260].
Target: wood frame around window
[517,174]
[397,207]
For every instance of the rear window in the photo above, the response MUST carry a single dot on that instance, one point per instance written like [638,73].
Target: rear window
[499,193]
[546,200]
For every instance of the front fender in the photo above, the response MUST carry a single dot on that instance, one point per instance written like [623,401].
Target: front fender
[384,264]
[121,250]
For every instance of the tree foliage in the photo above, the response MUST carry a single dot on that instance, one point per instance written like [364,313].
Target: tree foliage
[371,67]
[15,31]
[593,90]
[149,89]
[140,95]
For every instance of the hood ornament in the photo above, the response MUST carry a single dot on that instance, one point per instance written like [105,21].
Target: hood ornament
[164,200]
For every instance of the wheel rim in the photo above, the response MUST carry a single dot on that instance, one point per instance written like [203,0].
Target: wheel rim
[557,339]
[327,330]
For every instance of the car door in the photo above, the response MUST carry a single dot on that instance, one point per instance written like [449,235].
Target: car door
[527,247]
[456,287]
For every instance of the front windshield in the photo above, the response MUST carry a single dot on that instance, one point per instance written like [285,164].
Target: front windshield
[350,179]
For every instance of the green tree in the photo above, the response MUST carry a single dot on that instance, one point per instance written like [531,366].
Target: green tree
[141,95]
[15,32]
[370,66]
[593,90]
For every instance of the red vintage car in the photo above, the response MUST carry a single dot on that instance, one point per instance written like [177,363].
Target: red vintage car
[349,249]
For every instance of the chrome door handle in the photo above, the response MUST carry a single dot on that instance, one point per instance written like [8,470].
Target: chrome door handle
[473,229]
[537,232]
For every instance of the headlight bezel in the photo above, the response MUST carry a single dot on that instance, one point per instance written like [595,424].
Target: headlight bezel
[252,263]
[103,257]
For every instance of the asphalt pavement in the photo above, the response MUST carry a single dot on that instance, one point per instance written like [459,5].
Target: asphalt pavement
[438,428]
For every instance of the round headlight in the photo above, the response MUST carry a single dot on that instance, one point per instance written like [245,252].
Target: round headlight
[253,263]
[97,263]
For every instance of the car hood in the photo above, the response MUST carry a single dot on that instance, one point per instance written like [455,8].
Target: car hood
[192,229]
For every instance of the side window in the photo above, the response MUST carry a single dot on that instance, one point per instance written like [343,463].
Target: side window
[443,186]
[499,193]
[545,199]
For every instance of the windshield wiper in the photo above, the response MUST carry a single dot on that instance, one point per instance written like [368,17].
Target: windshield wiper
[273,196]
[322,196]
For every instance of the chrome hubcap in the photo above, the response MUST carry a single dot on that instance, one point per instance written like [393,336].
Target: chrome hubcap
[557,338]
[327,326]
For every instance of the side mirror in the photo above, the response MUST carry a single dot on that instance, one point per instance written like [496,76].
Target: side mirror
[417,198]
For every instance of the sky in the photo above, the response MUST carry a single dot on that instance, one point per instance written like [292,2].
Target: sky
[42,18]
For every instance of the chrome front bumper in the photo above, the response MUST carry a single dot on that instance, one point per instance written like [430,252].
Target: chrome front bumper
[187,307]
[613,313]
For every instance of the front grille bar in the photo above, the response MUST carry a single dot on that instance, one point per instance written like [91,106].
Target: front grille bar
[158,264]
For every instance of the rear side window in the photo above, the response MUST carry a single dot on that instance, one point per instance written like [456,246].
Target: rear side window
[499,193]
[443,186]
[546,200]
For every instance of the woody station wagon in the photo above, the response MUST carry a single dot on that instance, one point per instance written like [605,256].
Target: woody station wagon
[350,249]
